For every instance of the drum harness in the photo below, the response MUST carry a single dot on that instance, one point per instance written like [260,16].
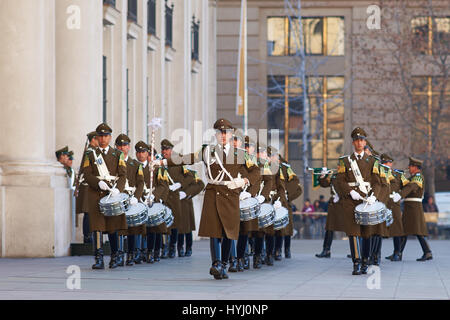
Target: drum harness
[219,179]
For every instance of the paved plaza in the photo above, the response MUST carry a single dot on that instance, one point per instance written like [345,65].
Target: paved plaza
[302,277]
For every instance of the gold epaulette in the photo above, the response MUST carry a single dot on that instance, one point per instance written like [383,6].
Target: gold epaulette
[86,161]
[417,179]
[140,170]
[290,173]
[122,160]
[375,168]
[341,165]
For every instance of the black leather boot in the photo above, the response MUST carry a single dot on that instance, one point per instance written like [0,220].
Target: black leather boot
[425,257]
[172,251]
[287,253]
[216,270]
[396,256]
[188,252]
[120,258]
[278,256]
[149,257]
[324,254]
[98,247]
[256,261]
[240,265]
[137,256]
[224,270]
[165,251]
[156,255]
[364,265]
[144,253]
[356,267]
[180,251]
[113,262]
[269,259]
[99,264]
[425,248]
[287,247]
[130,259]
[233,265]
[246,262]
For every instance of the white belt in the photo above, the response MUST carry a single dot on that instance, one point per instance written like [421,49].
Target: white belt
[413,199]
[217,183]
[356,184]
[107,178]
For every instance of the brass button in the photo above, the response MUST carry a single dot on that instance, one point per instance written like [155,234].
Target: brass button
[217,193]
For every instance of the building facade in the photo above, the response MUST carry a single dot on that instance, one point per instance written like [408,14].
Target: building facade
[71,64]
[343,91]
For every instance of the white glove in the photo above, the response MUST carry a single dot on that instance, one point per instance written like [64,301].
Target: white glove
[244,195]
[157,163]
[335,198]
[182,195]
[261,199]
[133,201]
[355,195]
[396,197]
[277,205]
[175,186]
[371,199]
[102,185]
[114,192]
[323,172]
[235,183]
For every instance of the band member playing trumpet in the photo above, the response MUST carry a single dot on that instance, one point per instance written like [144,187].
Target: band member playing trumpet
[227,171]
[358,180]
[105,171]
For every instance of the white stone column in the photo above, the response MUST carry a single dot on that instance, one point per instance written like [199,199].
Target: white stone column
[34,198]
[79,66]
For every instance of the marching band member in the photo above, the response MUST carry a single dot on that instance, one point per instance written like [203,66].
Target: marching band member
[134,187]
[358,179]
[413,216]
[395,230]
[105,172]
[227,170]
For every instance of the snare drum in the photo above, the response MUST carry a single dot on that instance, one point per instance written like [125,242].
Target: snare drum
[250,209]
[136,215]
[112,206]
[156,214]
[281,218]
[168,217]
[370,214]
[266,215]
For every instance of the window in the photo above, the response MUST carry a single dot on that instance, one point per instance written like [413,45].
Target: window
[132,10]
[285,113]
[110,2]
[321,36]
[105,101]
[169,18]
[431,35]
[194,38]
[151,17]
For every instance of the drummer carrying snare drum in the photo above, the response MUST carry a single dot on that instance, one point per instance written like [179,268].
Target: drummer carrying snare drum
[105,171]
[358,179]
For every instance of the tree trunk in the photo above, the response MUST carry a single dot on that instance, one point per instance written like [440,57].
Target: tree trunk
[429,174]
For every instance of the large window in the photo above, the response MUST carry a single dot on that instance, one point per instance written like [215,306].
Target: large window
[151,14]
[285,113]
[321,36]
[195,38]
[169,24]
[132,10]
[431,35]
[105,82]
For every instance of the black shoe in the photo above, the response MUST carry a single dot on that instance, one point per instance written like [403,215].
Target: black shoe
[144,255]
[188,252]
[364,265]
[172,252]
[156,255]
[425,257]
[224,270]
[120,259]
[233,265]
[137,256]
[164,252]
[278,256]
[390,257]
[269,260]
[216,270]
[324,254]
[130,259]
[246,262]
[149,256]
[376,260]
[181,252]
[356,269]
[113,262]
[396,257]
[287,253]
[256,261]
[240,265]
[99,264]
[349,256]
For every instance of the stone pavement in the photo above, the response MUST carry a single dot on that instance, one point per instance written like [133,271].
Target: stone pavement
[302,277]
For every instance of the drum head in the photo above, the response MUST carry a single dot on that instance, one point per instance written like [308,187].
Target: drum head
[266,209]
[375,207]
[156,208]
[137,208]
[113,199]
[249,202]
[280,213]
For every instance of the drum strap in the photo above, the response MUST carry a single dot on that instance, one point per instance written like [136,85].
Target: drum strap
[131,190]
[219,179]
[414,199]
[102,168]
[363,186]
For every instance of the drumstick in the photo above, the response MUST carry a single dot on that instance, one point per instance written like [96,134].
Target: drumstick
[109,195]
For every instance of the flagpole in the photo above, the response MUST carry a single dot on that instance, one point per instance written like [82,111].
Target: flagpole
[241,88]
